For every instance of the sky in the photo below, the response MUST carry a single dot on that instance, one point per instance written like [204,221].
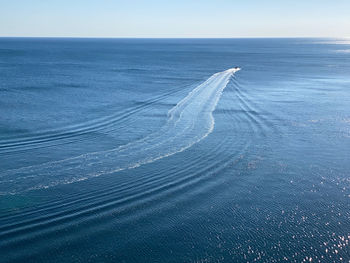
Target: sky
[175,18]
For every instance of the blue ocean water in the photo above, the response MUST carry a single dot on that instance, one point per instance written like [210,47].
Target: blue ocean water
[158,150]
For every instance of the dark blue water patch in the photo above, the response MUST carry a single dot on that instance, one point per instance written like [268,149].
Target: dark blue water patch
[11,130]
[268,183]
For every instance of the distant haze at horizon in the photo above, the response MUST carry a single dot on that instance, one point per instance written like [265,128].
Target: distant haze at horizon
[159,19]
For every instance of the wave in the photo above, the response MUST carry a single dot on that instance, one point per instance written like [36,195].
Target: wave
[189,122]
[76,132]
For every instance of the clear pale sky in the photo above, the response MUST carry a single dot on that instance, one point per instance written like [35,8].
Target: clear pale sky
[178,18]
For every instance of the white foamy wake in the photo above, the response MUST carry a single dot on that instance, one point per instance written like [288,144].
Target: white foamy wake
[189,122]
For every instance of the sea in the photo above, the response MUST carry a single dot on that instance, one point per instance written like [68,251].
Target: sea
[174,150]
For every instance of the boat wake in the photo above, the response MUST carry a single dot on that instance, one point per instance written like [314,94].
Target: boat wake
[189,122]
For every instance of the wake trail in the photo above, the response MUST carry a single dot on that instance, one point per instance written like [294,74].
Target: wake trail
[189,122]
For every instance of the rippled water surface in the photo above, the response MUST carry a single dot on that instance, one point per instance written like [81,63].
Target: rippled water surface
[144,150]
